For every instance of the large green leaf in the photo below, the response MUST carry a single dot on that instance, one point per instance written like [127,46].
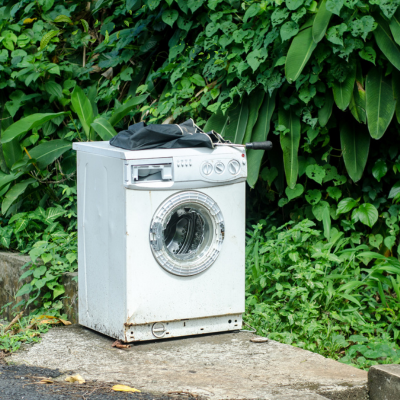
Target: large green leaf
[48,152]
[83,108]
[260,133]
[354,140]
[24,125]
[12,152]
[238,116]
[290,144]
[358,104]
[217,122]
[325,112]
[321,22]
[103,128]
[7,178]
[342,91]
[120,112]
[299,53]
[394,25]
[367,214]
[385,41]
[276,160]
[396,91]
[380,102]
[14,193]
[255,100]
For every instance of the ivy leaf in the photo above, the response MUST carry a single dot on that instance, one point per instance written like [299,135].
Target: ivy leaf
[198,80]
[318,209]
[295,192]
[367,214]
[316,173]
[256,57]
[194,4]
[170,16]
[27,288]
[379,170]
[184,24]
[211,28]
[346,205]
[334,6]
[375,240]
[294,4]
[388,7]
[38,272]
[279,15]
[153,4]
[183,5]
[313,196]
[288,30]
[269,174]
[395,190]
[363,26]
[335,33]
[251,12]
[334,192]
[389,242]
[58,290]
[368,53]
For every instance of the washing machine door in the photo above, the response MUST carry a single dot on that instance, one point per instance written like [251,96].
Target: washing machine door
[186,233]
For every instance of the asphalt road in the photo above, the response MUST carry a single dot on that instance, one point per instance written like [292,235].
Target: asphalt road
[21,382]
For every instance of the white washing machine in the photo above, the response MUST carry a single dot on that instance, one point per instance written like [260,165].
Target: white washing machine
[161,240]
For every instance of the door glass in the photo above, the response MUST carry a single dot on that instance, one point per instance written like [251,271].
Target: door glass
[187,232]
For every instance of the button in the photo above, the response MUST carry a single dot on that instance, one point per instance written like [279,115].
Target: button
[234,167]
[190,163]
[207,168]
[219,167]
[186,162]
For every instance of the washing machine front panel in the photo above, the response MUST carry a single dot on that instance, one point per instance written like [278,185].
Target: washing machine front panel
[187,232]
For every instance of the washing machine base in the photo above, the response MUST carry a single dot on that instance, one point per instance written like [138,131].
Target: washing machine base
[182,327]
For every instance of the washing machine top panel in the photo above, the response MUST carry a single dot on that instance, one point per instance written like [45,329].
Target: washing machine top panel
[165,169]
[105,149]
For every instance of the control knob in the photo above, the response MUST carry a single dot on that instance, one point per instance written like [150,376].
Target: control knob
[234,167]
[207,168]
[219,167]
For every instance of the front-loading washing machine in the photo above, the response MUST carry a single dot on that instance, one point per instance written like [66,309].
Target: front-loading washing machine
[161,240]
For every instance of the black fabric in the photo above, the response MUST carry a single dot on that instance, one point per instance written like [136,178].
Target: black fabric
[169,136]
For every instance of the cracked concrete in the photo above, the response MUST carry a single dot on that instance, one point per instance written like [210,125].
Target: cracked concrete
[219,366]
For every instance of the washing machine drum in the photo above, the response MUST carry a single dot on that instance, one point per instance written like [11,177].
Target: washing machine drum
[186,233]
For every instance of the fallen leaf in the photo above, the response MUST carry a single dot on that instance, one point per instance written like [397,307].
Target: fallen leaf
[74,378]
[124,388]
[259,339]
[46,380]
[65,322]
[119,345]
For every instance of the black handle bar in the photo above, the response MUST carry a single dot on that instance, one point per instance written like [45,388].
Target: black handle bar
[259,145]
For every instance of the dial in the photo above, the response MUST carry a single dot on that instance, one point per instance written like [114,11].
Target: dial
[234,167]
[206,168]
[219,167]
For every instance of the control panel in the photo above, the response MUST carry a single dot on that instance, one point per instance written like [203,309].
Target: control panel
[183,172]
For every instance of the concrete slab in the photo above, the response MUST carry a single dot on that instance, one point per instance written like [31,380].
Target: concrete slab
[220,366]
[384,382]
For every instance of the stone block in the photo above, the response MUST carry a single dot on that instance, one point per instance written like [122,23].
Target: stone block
[10,272]
[384,382]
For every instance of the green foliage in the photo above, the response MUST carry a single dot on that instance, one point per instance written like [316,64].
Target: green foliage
[324,295]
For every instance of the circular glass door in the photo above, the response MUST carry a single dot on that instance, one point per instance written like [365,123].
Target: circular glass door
[186,233]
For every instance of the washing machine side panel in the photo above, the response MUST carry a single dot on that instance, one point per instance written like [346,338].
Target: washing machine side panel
[154,294]
[101,244]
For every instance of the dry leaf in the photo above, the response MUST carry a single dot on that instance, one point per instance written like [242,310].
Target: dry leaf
[74,378]
[65,322]
[259,339]
[46,380]
[124,388]
[119,345]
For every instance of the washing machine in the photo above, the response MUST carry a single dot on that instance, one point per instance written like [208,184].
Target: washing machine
[161,240]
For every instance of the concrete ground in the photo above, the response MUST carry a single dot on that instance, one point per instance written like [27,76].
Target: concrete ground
[219,366]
